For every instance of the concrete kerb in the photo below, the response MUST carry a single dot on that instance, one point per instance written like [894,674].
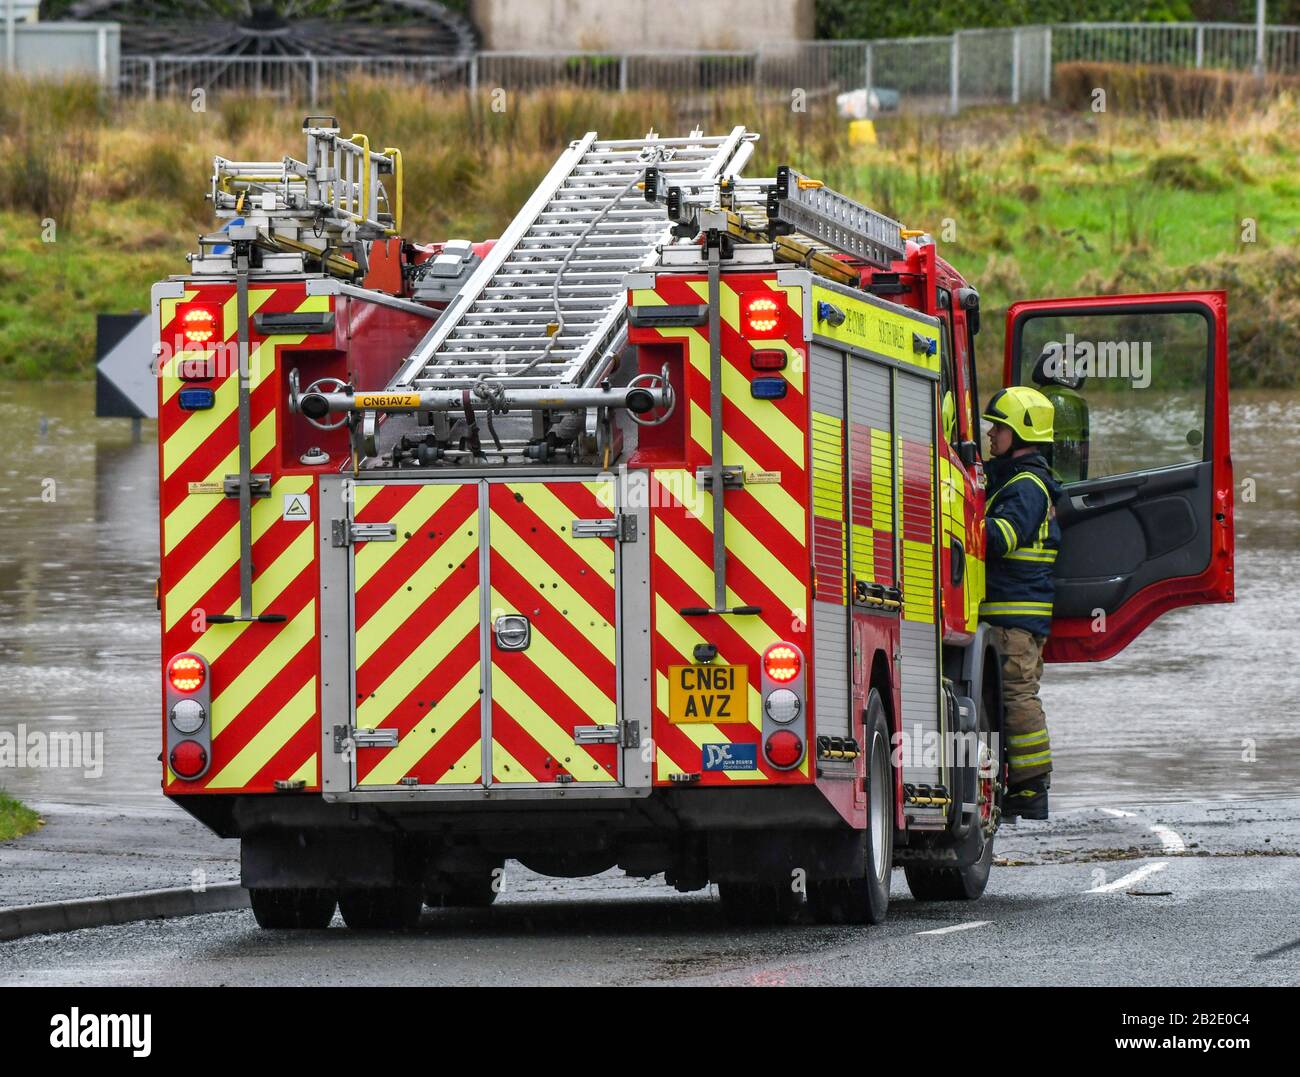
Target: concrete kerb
[51,917]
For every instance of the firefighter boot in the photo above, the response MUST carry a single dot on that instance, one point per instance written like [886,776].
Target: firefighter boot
[1028,800]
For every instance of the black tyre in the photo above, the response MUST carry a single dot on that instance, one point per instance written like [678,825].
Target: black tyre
[758,904]
[281,909]
[394,908]
[929,883]
[966,883]
[865,899]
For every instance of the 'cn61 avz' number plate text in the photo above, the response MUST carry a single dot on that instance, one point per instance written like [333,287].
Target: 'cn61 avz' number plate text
[717,694]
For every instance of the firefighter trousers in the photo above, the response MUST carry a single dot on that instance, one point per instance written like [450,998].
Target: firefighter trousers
[1029,752]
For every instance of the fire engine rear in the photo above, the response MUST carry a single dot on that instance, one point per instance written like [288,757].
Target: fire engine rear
[649,536]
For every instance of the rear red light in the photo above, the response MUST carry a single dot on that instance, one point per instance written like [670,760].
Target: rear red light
[784,749]
[761,314]
[199,325]
[782,663]
[186,673]
[767,360]
[188,759]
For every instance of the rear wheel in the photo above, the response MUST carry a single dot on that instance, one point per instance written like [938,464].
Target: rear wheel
[929,883]
[966,883]
[865,899]
[758,904]
[280,909]
[393,908]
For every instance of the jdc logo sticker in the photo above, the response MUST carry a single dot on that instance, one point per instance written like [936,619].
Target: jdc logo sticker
[730,756]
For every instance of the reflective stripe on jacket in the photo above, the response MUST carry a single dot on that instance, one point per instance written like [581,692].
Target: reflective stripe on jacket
[1022,539]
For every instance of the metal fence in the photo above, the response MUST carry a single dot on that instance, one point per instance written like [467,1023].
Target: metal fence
[313,78]
[1225,45]
[864,78]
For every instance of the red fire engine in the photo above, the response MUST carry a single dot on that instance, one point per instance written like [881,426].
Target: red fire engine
[648,537]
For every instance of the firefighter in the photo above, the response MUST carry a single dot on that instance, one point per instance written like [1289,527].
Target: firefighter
[1022,540]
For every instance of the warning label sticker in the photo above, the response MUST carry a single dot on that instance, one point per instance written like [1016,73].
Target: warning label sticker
[297,506]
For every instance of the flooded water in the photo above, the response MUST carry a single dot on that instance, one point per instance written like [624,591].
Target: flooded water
[1204,704]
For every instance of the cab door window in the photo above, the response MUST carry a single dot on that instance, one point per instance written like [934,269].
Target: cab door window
[1128,387]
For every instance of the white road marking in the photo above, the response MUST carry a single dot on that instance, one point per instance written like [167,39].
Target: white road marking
[1129,879]
[1170,839]
[956,927]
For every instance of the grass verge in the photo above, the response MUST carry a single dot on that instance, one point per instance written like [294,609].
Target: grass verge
[16,819]
[1026,203]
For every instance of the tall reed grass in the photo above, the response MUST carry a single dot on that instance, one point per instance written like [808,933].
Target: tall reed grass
[1024,202]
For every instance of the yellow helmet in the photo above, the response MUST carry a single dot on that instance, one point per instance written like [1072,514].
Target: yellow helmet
[1026,411]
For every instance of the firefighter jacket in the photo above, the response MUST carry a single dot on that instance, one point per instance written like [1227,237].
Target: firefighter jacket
[1022,538]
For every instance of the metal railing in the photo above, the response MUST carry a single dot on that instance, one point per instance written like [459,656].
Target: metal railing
[1006,66]
[923,74]
[1223,45]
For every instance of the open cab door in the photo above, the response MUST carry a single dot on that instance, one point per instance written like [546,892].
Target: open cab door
[1140,388]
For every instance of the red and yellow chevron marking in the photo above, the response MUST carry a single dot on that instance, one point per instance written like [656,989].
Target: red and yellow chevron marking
[872,494]
[416,635]
[917,476]
[681,577]
[265,696]
[766,525]
[566,588]
[748,424]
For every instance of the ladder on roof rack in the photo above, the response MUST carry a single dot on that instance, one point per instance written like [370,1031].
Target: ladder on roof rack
[570,246]
[787,206]
[799,205]
[315,211]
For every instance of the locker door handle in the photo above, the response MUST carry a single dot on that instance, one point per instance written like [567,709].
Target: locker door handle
[512,632]
[958,562]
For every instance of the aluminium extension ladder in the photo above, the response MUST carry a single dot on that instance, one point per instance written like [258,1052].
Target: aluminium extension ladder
[570,247]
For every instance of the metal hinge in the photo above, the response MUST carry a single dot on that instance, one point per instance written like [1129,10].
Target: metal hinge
[733,477]
[363,738]
[259,485]
[621,528]
[345,533]
[627,734]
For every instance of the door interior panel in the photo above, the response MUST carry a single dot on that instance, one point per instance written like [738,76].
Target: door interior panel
[1114,547]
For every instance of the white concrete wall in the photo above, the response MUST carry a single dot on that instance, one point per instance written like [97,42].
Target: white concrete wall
[622,25]
[62,49]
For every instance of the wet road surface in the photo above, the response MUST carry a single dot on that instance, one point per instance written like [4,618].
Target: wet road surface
[1171,894]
